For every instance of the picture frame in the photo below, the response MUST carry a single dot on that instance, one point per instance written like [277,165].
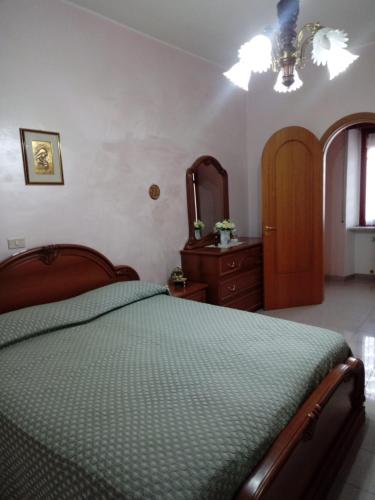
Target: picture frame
[41,153]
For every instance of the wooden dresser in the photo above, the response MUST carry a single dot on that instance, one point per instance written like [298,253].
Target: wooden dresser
[234,275]
[192,291]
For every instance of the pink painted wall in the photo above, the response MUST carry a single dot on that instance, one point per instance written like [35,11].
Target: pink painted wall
[131,112]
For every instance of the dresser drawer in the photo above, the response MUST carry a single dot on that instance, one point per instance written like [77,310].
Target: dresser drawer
[251,301]
[230,263]
[240,261]
[240,283]
[234,276]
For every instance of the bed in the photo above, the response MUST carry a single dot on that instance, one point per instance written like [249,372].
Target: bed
[110,388]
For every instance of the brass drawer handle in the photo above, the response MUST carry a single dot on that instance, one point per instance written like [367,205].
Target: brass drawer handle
[269,228]
[231,264]
[232,288]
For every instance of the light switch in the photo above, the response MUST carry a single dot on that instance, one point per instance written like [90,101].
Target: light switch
[16,243]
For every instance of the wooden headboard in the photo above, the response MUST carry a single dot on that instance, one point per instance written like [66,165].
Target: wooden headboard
[55,272]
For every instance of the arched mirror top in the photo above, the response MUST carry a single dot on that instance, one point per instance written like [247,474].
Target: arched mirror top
[207,199]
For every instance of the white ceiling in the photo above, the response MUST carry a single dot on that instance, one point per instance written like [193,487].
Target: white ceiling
[214,29]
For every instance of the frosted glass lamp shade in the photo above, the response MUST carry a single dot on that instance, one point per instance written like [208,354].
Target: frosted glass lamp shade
[257,53]
[280,87]
[329,49]
[339,60]
[239,74]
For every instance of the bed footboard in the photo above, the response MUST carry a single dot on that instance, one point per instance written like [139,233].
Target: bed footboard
[302,462]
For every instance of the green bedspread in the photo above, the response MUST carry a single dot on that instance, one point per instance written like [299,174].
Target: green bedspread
[126,392]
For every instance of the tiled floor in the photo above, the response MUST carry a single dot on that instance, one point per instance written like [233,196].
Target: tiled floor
[349,308]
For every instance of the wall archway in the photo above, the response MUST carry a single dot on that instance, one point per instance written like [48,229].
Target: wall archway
[342,124]
[338,233]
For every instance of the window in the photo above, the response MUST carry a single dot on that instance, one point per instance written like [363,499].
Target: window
[367,201]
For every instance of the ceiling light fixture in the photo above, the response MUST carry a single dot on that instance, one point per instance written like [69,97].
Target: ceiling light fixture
[285,50]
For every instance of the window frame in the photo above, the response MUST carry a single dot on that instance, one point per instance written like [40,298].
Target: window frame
[365,132]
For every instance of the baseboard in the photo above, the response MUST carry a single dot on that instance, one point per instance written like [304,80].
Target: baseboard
[331,277]
[365,277]
[357,276]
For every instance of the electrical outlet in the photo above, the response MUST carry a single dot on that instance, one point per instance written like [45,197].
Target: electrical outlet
[16,243]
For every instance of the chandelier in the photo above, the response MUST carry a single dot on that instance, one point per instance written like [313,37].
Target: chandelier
[285,51]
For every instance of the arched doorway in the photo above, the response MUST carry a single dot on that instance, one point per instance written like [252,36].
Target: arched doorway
[342,124]
[301,205]
[343,241]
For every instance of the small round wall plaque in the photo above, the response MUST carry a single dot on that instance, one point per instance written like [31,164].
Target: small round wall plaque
[154,191]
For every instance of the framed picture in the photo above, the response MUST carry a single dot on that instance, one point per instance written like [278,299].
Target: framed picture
[41,157]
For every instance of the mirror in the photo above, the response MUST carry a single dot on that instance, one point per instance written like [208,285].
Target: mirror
[207,199]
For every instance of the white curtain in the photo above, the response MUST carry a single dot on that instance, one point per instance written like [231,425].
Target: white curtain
[370,181]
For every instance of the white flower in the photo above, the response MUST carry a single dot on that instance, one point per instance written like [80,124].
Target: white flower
[225,225]
[198,224]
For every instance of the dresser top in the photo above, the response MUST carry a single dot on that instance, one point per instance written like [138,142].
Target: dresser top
[190,288]
[217,251]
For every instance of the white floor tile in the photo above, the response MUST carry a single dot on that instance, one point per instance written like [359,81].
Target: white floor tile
[349,492]
[370,407]
[368,442]
[349,308]
[362,473]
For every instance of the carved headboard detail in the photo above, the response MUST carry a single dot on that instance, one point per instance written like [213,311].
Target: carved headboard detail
[55,272]
[48,254]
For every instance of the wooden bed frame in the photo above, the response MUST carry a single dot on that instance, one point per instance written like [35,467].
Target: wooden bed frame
[306,455]
[55,272]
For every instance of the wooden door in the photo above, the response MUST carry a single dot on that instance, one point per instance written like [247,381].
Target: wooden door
[292,185]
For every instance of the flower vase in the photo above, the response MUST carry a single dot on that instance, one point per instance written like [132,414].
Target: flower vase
[224,239]
[197,234]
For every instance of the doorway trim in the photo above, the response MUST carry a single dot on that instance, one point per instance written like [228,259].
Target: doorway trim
[342,124]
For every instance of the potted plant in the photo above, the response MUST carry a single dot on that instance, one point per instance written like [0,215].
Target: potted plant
[225,227]
[198,227]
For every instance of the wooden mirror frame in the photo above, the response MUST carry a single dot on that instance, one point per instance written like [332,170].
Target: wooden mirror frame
[203,160]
